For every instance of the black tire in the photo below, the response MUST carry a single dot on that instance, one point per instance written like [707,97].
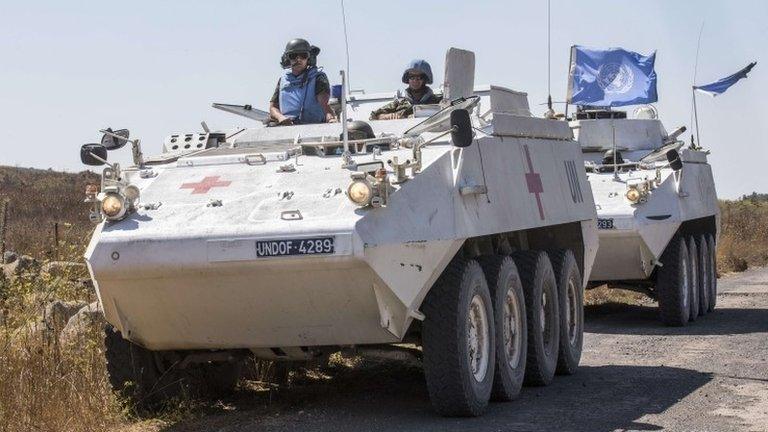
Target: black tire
[508,305]
[571,295]
[705,274]
[134,372]
[220,378]
[454,389]
[280,372]
[542,316]
[694,278]
[672,284]
[713,281]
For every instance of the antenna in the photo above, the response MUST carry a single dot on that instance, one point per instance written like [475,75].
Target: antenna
[549,56]
[346,40]
[694,111]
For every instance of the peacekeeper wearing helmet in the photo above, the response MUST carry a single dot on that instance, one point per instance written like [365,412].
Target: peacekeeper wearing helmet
[417,75]
[302,94]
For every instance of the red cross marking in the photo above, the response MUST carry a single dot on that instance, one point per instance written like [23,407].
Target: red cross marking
[534,182]
[205,185]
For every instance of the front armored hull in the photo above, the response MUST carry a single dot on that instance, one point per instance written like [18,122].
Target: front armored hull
[633,237]
[207,293]
[229,254]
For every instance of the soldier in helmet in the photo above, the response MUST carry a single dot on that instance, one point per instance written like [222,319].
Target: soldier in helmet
[302,93]
[418,74]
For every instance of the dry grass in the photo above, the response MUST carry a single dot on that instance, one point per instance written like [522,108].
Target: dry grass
[604,295]
[744,235]
[44,385]
[38,200]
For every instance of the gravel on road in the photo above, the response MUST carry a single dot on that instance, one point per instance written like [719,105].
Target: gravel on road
[635,374]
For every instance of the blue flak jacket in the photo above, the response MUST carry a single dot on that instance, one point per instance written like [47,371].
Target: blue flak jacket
[298,99]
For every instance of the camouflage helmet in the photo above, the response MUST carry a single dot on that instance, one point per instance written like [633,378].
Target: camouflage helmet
[299,46]
[420,66]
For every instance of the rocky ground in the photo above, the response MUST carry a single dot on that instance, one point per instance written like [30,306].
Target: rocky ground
[635,375]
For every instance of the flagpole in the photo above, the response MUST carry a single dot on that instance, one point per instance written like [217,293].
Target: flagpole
[568,87]
[696,116]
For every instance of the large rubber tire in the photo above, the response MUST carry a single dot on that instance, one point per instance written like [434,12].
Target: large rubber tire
[509,320]
[694,277]
[571,295]
[672,284]
[134,373]
[220,378]
[713,281]
[705,274]
[456,387]
[542,316]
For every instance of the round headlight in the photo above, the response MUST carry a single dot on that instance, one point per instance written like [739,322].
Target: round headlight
[633,195]
[113,205]
[360,192]
[131,192]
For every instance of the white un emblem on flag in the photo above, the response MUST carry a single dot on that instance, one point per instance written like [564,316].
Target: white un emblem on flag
[615,78]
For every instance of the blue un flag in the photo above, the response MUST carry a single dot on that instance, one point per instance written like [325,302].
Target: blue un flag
[721,85]
[611,77]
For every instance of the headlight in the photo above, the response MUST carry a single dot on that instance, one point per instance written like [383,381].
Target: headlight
[131,193]
[633,195]
[113,206]
[360,192]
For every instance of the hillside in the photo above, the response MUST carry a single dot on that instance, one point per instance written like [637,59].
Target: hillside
[38,200]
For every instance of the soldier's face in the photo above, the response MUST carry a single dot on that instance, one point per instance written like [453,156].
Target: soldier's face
[416,81]
[298,61]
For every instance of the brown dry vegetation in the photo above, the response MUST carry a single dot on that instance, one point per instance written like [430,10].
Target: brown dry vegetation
[45,386]
[743,240]
[38,199]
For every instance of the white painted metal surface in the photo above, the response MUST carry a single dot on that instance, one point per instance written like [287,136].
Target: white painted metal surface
[184,272]
[633,236]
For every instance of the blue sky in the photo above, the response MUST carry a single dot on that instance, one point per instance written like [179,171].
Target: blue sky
[70,68]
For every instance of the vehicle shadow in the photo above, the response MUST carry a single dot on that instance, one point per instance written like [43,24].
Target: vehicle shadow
[620,318]
[393,397]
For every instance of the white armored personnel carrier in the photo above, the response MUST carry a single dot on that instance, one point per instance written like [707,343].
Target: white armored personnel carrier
[463,233]
[658,216]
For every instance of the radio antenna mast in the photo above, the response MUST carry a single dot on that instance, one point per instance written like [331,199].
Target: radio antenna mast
[550,111]
[694,111]
[346,42]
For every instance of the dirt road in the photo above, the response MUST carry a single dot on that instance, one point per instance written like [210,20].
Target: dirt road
[634,375]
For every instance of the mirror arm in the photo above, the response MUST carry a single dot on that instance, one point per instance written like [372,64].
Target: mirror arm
[105,132]
[138,156]
[104,161]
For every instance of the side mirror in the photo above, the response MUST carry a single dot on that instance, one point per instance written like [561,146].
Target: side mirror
[674,160]
[112,143]
[87,152]
[461,128]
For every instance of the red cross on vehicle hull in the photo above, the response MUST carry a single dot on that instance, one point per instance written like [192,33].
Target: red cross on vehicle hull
[533,180]
[205,185]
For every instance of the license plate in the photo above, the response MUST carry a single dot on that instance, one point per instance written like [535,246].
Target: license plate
[605,224]
[287,247]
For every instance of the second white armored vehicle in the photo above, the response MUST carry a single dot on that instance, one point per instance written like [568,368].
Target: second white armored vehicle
[466,234]
[658,215]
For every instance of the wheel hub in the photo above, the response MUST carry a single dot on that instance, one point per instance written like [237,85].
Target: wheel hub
[512,328]
[572,315]
[478,338]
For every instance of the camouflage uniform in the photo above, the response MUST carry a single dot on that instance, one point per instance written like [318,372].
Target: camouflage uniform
[403,106]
